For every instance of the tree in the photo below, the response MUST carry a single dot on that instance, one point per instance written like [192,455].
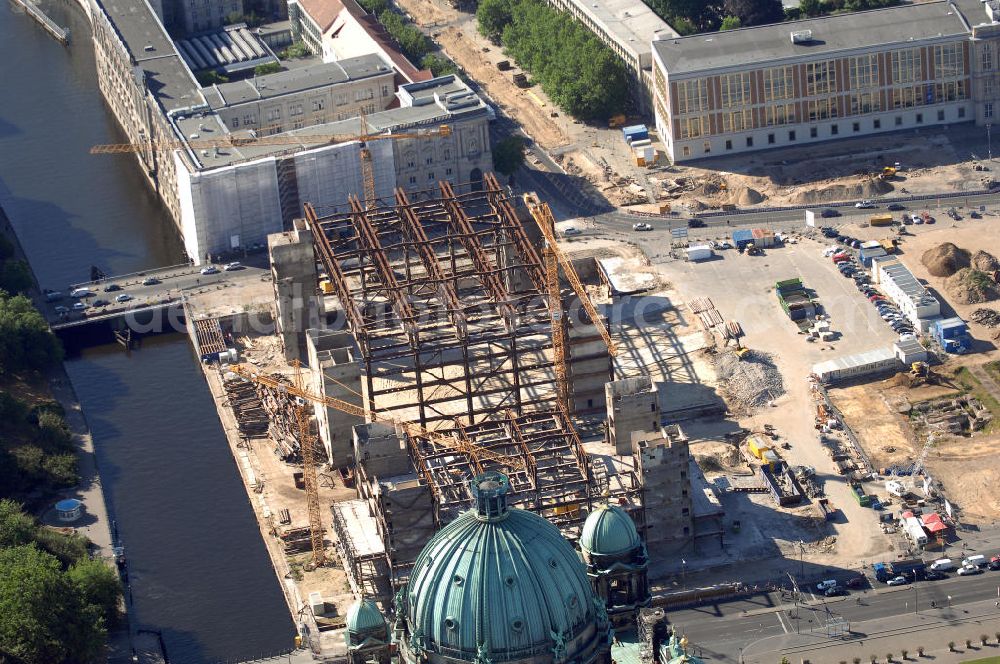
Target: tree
[438,64]
[755,12]
[16,527]
[731,23]
[43,618]
[812,8]
[6,247]
[508,155]
[25,339]
[15,276]
[99,585]
[267,68]
[493,16]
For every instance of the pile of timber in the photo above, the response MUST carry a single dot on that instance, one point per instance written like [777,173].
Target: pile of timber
[283,426]
[251,418]
[296,540]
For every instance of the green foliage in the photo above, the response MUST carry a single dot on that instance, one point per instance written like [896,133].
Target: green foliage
[67,549]
[689,16]
[411,40]
[16,527]
[754,12]
[295,50]
[508,155]
[52,430]
[811,8]
[579,73]
[15,276]
[438,64]
[13,412]
[252,19]
[267,68]
[25,339]
[43,617]
[731,23]
[492,17]
[375,7]
[210,77]
[99,585]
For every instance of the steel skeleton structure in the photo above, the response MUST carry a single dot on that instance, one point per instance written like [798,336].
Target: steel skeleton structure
[452,308]
[446,297]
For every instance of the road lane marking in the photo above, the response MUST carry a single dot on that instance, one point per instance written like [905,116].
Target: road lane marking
[781,622]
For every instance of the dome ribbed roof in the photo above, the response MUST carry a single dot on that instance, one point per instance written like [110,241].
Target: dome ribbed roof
[364,616]
[500,583]
[609,531]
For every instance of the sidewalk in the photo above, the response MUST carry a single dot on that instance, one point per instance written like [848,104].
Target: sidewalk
[930,630]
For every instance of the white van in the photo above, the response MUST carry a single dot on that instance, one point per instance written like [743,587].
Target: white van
[975,561]
[943,565]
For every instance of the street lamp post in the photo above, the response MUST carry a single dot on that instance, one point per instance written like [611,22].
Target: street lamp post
[916,599]
[989,143]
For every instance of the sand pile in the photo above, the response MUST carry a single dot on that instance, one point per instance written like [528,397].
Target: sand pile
[841,192]
[945,259]
[969,286]
[748,383]
[747,196]
[985,262]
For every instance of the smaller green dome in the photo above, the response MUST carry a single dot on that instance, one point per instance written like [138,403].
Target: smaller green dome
[364,616]
[609,531]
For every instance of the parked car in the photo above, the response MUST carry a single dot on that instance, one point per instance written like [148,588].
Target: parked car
[822,586]
[111,288]
[895,207]
[81,293]
[150,281]
[829,212]
[80,306]
[836,591]
[934,575]
[969,570]
[864,205]
[857,582]
[101,303]
[124,297]
[692,223]
[235,265]
[571,230]
[641,226]
[61,310]
[897,581]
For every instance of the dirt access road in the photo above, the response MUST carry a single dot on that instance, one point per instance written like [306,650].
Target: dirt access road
[456,32]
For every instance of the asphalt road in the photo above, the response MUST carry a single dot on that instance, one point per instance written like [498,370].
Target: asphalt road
[172,284]
[722,629]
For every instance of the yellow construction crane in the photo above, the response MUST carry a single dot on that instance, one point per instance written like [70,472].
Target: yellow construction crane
[307,443]
[256,137]
[556,312]
[411,429]
[542,215]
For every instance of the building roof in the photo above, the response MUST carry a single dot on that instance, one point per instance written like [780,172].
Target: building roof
[632,24]
[322,12]
[609,531]
[424,104]
[830,34]
[857,360]
[319,75]
[166,73]
[364,616]
[498,584]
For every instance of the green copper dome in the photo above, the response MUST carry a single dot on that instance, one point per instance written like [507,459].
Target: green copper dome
[501,584]
[364,616]
[609,531]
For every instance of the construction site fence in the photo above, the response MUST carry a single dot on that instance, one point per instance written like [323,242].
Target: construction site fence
[839,416]
[813,206]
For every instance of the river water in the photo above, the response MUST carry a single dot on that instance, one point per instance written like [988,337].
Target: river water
[199,570]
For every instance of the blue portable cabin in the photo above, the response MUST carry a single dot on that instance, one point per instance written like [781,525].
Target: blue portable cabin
[635,133]
[742,238]
[953,335]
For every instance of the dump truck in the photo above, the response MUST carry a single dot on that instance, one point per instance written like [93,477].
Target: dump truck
[880,220]
[911,566]
[887,173]
[860,494]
